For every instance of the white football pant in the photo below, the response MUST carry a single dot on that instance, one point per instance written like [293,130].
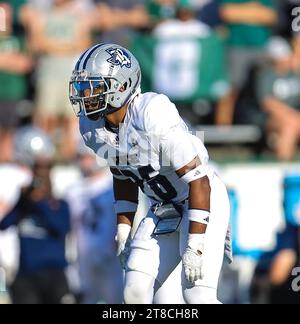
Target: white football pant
[154,266]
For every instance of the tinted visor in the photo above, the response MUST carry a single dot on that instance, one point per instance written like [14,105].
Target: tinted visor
[89,88]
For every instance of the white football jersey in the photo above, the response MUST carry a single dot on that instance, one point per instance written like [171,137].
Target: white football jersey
[151,144]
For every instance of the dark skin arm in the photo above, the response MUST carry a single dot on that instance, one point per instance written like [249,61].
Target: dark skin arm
[125,190]
[199,197]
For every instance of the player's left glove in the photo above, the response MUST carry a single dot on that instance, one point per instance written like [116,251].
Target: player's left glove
[123,241]
[193,257]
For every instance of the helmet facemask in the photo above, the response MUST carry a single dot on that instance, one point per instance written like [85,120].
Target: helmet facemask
[95,96]
[89,96]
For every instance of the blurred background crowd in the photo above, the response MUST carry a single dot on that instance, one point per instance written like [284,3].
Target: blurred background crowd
[233,69]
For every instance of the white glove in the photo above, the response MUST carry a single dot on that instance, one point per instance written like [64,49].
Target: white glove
[193,259]
[123,243]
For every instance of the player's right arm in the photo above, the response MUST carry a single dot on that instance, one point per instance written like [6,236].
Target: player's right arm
[126,197]
[251,13]
[126,202]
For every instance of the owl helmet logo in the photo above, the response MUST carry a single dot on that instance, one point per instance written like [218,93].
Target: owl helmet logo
[119,57]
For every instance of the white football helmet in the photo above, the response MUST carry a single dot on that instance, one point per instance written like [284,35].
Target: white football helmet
[32,144]
[106,77]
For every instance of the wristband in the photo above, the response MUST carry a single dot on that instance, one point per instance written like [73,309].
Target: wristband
[199,216]
[197,173]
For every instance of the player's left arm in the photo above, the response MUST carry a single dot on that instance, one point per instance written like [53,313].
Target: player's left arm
[199,194]
[179,149]
[194,173]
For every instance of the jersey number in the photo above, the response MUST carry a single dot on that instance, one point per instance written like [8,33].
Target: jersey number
[159,184]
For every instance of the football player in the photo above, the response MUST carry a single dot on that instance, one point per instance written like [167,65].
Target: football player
[147,145]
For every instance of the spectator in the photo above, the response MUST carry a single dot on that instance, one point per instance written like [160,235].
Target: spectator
[184,23]
[205,11]
[287,254]
[249,25]
[43,223]
[14,64]
[169,33]
[278,89]
[119,19]
[285,259]
[57,36]
[273,279]
[94,226]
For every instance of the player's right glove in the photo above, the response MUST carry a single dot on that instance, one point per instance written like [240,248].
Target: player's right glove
[123,243]
[193,259]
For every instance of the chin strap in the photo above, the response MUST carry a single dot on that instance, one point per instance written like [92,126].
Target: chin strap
[136,93]
[108,111]
[100,115]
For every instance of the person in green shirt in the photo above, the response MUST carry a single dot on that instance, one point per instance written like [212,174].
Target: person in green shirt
[278,90]
[57,36]
[249,24]
[14,64]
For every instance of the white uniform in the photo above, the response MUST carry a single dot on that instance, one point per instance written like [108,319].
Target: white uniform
[155,141]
